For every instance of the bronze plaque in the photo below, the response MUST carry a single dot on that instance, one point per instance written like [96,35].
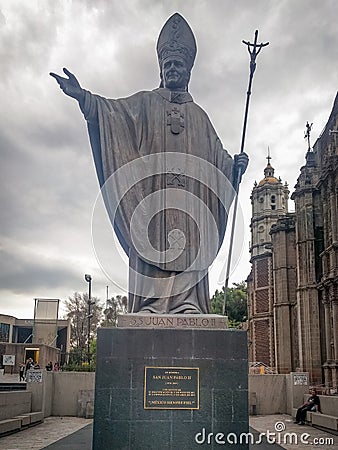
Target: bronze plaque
[171,388]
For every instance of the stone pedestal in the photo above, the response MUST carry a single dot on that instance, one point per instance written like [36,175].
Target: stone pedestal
[122,419]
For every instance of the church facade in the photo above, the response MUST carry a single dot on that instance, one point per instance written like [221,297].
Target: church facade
[292,287]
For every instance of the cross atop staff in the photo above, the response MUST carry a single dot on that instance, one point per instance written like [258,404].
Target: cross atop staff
[307,134]
[254,49]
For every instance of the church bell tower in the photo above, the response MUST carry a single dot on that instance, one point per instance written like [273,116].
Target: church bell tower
[269,201]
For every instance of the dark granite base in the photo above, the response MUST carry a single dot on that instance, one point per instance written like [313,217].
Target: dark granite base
[120,420]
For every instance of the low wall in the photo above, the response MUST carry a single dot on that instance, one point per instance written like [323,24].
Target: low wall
[277,394]
[297,384]
[42,394]
[59,393]
[270,393]
[66,391]
[14,403]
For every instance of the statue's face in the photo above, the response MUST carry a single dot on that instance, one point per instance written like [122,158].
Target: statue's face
[175,73]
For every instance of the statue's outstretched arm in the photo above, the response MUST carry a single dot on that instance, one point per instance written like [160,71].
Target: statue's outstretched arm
[70,85]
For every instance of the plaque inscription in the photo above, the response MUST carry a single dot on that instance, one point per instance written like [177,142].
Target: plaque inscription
[203,321]
[171,388]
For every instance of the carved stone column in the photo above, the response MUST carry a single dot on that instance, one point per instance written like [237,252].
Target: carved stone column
[334,302]
[334,217]
[326,302]
[335,325]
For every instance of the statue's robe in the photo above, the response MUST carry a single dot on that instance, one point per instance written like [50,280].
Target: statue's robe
[142,134]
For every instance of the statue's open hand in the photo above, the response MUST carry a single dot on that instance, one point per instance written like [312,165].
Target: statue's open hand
[70,85]
[241,162]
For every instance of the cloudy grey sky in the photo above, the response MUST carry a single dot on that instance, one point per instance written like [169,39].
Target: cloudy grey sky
[48,182]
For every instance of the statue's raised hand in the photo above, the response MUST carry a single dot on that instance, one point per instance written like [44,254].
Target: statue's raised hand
[70,85]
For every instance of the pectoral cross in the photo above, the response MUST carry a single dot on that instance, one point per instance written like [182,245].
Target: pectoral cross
[176,177]
[175,119]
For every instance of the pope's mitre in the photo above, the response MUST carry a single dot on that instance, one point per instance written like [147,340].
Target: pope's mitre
[176,39]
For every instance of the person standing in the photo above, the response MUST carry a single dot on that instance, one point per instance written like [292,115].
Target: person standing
[29,365]
[22,372]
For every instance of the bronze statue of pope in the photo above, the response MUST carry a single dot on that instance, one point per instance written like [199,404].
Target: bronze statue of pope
[171,219]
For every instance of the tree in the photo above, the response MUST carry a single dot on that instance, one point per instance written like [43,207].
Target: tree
[236,303]
[115,305]
[77,311]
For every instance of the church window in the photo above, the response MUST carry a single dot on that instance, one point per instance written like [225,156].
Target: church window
[4,332]
[273,202]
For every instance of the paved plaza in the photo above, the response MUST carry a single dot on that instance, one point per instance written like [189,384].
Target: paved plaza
[74,433]
[41,436]
[304,437]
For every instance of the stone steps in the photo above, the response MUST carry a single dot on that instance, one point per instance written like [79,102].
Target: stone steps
[13,386]
[324,421]
[8,426]
[321,420]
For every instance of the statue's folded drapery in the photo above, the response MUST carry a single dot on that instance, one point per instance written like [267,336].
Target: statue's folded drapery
[158,155]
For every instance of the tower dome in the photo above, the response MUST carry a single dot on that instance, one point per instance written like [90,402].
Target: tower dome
[269,172]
